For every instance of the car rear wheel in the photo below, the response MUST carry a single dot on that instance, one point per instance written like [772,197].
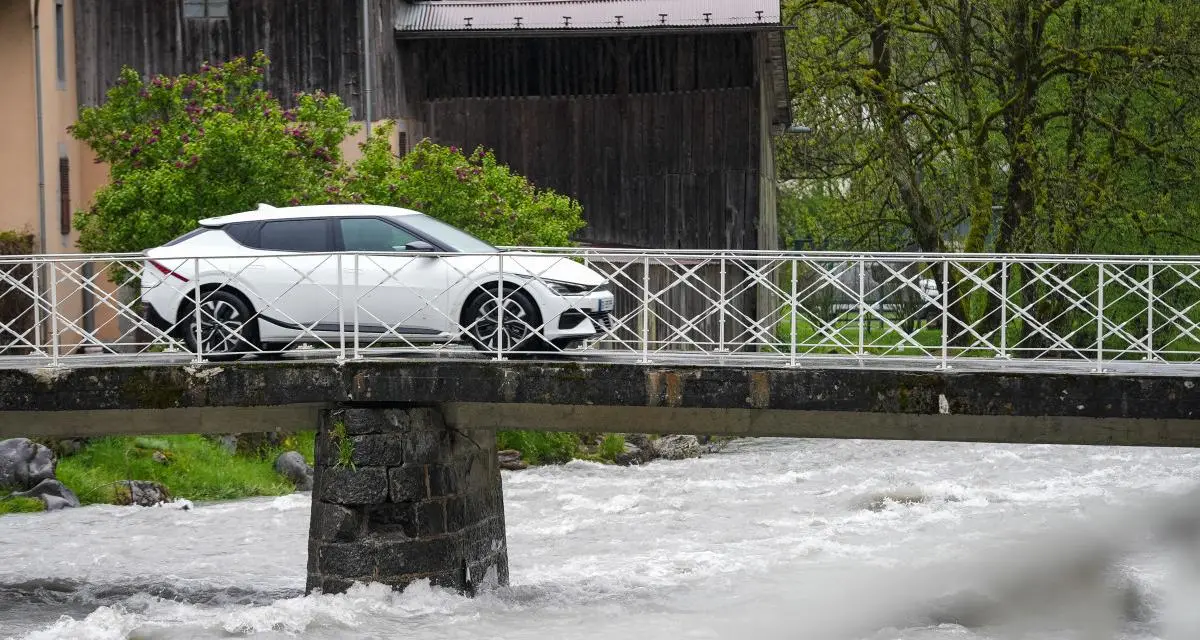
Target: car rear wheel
[227,330]
[516,332]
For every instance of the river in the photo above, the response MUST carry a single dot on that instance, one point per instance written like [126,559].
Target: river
[758,541]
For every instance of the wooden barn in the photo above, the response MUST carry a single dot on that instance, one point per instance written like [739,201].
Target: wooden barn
[655,114]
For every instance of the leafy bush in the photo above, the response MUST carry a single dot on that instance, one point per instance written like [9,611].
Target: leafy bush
[184,148]
[16,308]
[540,447]
[473,192]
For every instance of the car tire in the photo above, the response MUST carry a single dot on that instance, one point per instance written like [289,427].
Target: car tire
[521,322]
[227,329]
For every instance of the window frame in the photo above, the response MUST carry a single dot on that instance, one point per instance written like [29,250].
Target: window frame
[60,44]
[206,12]
[340,242]
[330,240]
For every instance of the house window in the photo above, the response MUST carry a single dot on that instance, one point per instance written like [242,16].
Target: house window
[206,9]
[60,43]
[64,196]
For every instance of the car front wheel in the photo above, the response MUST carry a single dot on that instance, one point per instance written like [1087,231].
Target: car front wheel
[515,329]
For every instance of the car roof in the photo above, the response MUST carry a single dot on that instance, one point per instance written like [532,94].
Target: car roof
[268,212]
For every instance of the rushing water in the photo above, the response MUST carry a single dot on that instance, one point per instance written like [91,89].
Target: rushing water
[747,543]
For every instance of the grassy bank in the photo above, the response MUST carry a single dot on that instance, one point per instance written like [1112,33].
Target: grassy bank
[198,468]
[191,467]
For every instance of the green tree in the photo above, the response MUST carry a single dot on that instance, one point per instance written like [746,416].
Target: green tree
[180,149]
[473,192]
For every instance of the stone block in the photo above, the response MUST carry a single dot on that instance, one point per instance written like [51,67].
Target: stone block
[360,421]
[456,514]
[347,558]
[445,480]
[432,555]
[328,584]
[392,520]
[335,523]
[378,450]
[431,443]
[431,518]
[342,485]
[409,483]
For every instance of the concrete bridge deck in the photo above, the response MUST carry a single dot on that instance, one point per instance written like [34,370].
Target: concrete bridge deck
[961,404]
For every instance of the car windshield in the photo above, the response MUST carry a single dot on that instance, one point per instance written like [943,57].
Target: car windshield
[455,239]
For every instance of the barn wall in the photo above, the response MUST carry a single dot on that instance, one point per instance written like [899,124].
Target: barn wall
[312,45]
[657,136]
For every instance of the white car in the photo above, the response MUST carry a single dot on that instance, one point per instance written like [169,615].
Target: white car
[322,274]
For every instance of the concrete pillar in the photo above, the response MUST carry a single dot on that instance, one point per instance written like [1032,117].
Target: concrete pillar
[398,496]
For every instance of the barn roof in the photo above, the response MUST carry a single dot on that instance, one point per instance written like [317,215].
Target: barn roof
[562,15]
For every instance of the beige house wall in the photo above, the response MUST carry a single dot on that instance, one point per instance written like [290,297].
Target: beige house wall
[19,178]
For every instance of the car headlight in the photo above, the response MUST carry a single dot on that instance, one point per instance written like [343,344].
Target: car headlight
[568,288]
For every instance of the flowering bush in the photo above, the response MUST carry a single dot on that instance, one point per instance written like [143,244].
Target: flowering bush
[184,148]
[473,192]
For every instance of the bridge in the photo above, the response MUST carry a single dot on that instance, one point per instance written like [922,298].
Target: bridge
[1051,349]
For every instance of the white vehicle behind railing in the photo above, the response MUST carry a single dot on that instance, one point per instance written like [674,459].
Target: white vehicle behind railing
[271,278]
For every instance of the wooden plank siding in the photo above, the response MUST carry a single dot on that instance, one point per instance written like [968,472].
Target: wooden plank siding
[657,136]
[313,45]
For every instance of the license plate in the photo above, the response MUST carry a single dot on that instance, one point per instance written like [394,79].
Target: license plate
[606,304]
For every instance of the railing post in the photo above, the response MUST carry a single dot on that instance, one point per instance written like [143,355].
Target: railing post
[357,352]
[945,364]
[792,313]
[199,355]
[1150,311]
[721,311]
[341,302]
[1100,318]
[54,350]
[862,304]
[500,311]
[645,310]
[37,308]
[1003,310]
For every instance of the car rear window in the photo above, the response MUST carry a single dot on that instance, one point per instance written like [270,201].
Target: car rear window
[187,236]
[295,235]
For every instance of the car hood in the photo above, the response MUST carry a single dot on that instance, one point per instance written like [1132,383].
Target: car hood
[531,264]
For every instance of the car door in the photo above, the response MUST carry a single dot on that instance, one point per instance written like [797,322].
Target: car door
[396,290]
[295,279]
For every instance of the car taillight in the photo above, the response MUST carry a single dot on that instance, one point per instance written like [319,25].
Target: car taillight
[165,271]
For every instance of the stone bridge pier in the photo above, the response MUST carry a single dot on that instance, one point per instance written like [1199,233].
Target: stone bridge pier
[400,496]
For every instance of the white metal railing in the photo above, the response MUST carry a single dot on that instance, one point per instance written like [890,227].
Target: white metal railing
[779,308]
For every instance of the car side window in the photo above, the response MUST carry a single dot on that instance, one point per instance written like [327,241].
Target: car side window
[373,235]
[295,235]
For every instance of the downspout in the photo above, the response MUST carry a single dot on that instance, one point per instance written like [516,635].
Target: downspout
[41,151]
[366,9]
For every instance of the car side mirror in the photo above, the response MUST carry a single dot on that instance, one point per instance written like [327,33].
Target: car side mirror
[419,246]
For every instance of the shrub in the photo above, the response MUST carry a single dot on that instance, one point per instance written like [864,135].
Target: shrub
[183,148]
[16,307]
[473,192]
[540,447]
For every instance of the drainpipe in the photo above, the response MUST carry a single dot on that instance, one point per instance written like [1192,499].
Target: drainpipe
[366,9]
[41,152]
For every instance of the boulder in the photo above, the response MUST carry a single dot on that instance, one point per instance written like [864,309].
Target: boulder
[676,447]
[291,465]
[639,440]
[510,460]
[142,493]
[54,494]
[24,464]
[633,455]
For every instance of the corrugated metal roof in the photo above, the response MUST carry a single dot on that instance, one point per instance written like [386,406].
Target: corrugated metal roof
[490,15]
